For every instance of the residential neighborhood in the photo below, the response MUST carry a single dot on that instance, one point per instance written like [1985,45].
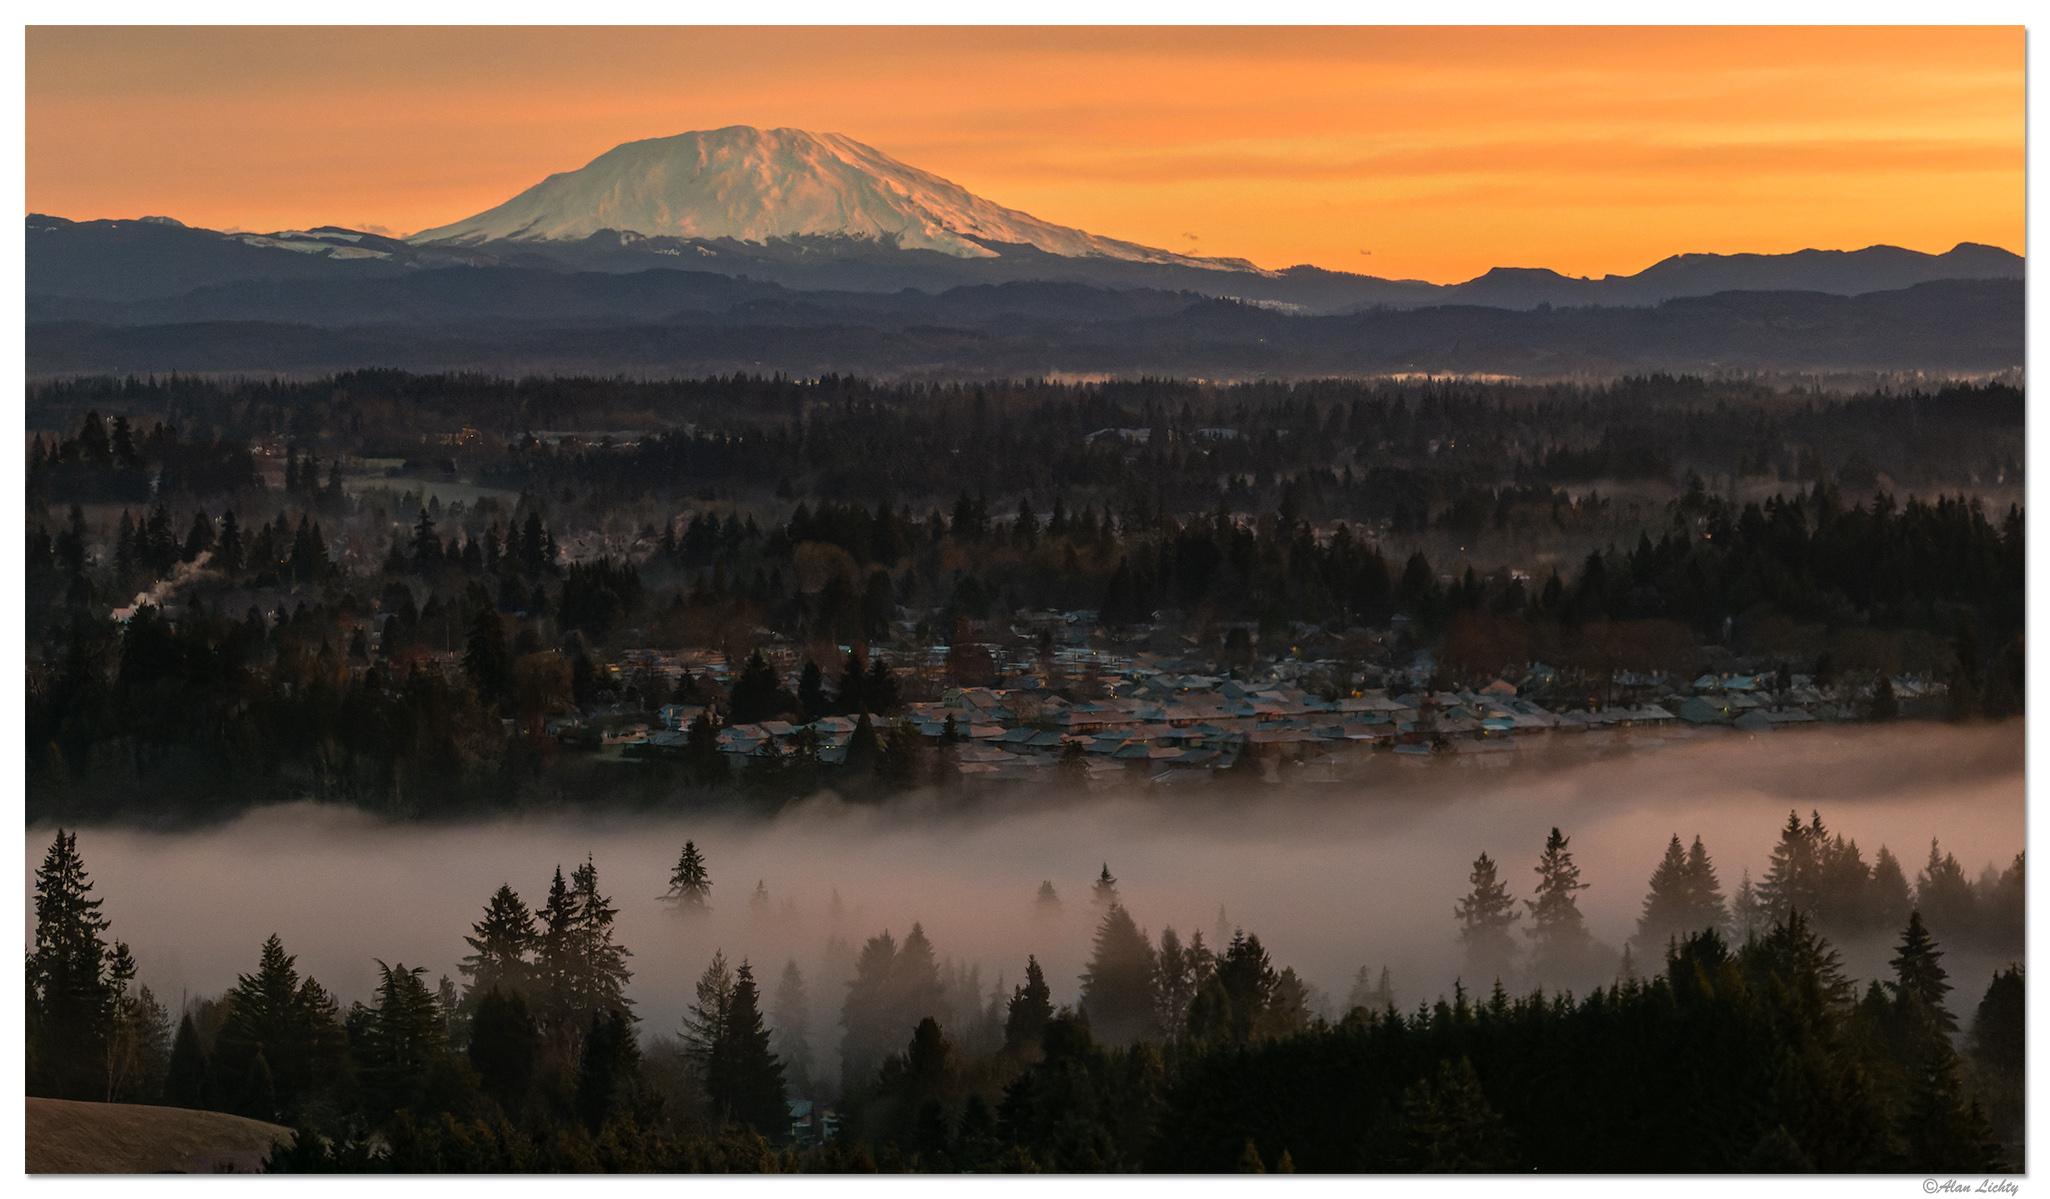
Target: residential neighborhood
[1150,719]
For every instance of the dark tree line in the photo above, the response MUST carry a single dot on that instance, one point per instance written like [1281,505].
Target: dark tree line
[1735,1055]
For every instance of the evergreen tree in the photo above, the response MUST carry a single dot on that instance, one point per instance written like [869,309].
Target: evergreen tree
[228,549]
[138,1049]
[1944,1129]
[1999,1053]
[1174,984]
[915,988]
[1747,910]
[754,692]
[600,982]
[811,692]
[1557,928]
[705,1024]
[791,1018]
[487,659]
[1105,893]
[1118,987]
[1485,914]
[863,750]
[282,1040]
[609,1070]
[897,763]
[1376,996]
[500,946]
[1048,901]
[1449,1127]
[1666,907]
[1288,1009]
[1685,897]
[1917,976]
[852,696]
[1843,883]
[690,886]
[199,539]
[407,1034]
[1944,896]
[701,752]
[1072,769]
[505,1046]
[1792,883]
[427,552]
[554,962]
[71,999]
[873,1012]
[1231,1006]
[188,1081]
[879,689]
[160,544]
[743,1079]
[1030,1008]
[1704,890]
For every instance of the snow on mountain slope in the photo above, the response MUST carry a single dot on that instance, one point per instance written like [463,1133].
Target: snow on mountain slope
[756,184]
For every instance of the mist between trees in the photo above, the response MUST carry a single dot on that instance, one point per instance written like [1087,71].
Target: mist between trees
[997,924]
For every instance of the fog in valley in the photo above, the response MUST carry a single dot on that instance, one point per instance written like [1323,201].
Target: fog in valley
[1331,878]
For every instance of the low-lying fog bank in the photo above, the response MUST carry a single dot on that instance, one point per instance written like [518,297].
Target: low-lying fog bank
[1330,878]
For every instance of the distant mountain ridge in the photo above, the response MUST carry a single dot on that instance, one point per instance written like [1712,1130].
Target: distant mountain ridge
[127,261]
[1026,330]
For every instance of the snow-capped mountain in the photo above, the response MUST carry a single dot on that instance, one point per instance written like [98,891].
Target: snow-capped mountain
[755,185]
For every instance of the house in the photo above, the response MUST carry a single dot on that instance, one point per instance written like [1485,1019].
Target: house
[677,716]
[1705,709]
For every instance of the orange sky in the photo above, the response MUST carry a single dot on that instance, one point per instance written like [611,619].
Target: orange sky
[1442,152]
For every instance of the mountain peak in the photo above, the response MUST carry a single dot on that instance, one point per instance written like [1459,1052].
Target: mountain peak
[755,185]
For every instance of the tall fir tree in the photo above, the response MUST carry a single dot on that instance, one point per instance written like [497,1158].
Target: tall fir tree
[282,1041]
[1705,890]
[1747,910]
[701,753]
[501,944]
[71,998]
[690,885]
[602,984]
[754,692]
[1889,894]
[790,1018]
[1792,883]
[705,1022]
[743,1079]
[1558,931]
[1174,984]
[1485,914]
[1666,908]
[1118,986]
[1031,1006]
[188,1081]
[406,1035]
[811,692]
[1918,978]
